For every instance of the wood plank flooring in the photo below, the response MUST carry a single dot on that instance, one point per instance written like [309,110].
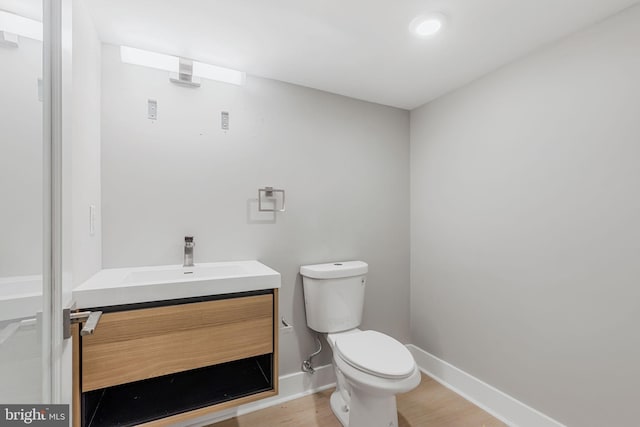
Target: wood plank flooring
[429,405]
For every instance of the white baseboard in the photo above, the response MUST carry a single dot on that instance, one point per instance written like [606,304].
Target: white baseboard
[292,386]
[499,404]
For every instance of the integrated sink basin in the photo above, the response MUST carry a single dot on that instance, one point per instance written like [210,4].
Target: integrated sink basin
[119,286]
[178,274]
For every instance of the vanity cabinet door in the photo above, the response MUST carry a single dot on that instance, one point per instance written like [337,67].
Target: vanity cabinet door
[140,344]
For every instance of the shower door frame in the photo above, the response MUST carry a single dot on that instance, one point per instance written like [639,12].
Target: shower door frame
[52,285]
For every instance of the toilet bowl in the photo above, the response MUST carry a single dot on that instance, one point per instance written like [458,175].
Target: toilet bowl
[371,367]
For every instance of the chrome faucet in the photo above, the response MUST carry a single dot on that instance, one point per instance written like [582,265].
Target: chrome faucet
[188,251]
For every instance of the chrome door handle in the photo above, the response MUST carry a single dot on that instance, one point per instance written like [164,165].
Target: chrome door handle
[90,319]
[91,323]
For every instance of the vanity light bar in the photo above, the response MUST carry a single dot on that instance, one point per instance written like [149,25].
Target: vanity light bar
[16,24]
[212,72]
[171,63]
[131,55]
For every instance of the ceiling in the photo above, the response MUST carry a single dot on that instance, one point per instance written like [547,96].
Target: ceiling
[358,48]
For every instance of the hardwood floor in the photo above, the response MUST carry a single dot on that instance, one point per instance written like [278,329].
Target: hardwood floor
[429,405]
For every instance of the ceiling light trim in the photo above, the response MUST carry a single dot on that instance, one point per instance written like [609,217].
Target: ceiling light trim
[429,25]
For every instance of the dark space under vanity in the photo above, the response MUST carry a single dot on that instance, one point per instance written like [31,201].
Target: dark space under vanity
[148,400]
[164,362]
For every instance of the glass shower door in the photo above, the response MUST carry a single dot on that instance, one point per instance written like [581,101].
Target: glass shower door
[23,328]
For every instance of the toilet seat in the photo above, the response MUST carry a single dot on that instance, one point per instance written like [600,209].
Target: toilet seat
[375,353]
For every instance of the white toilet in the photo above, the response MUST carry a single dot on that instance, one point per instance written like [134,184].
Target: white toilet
[371,367]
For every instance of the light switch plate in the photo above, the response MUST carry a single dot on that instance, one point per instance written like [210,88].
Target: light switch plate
[152,109]
[224,120]
[92,220]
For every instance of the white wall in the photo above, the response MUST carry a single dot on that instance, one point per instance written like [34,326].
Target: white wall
[343,163]
[85,157]
[20,160]
[525,227]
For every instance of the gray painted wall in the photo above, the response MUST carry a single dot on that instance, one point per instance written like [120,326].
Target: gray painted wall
[85,157]
[343,163]
[525,227]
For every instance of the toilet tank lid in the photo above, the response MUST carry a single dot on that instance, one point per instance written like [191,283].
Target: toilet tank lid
[335,270]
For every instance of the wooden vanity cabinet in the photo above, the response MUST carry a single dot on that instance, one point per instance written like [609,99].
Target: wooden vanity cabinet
[163,362]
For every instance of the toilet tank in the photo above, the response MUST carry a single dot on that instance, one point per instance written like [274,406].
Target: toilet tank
[334,295]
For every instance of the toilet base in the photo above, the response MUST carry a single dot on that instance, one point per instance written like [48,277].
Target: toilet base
[365,410]
[368,410]
[365,400]
[339,408]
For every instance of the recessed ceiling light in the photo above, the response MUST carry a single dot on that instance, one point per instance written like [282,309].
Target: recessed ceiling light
[428,25]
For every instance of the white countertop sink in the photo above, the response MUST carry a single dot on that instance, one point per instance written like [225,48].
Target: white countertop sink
[119,286]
